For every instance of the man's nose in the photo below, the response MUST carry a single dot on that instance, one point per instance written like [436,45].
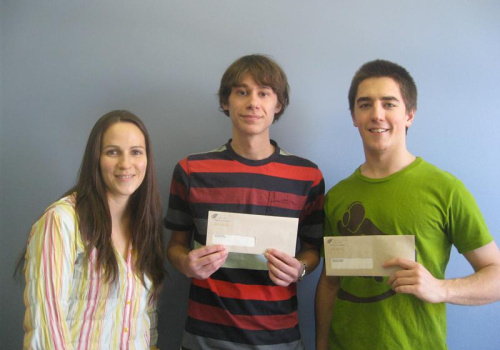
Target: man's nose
[253,101]
[378,112]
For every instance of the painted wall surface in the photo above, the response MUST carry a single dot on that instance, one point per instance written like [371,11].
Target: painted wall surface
[65,63]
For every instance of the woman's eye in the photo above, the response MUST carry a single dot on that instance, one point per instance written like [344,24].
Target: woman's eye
[112,152]
[137,152]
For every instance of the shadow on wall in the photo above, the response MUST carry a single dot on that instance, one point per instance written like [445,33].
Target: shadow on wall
[173,299]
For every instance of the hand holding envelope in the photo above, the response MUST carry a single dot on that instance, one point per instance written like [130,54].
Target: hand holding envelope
[252,234]
[364,255]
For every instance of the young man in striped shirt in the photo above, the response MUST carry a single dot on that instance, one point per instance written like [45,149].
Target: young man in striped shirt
[245,301]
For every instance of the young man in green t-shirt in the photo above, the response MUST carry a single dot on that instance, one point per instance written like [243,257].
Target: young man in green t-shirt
[395,193]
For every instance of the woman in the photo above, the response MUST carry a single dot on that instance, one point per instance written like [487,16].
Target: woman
[94,260]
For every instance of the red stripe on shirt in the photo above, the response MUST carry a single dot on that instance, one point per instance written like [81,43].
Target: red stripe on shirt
[251,196]
[216,315]
[177,188]
[311,207]
[184,165]
[246,291]
[284,171]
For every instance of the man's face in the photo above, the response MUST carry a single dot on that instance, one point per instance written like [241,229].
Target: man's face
[380,116]
[252,108]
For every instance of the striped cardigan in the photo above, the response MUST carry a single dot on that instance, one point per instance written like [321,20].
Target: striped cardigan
[68,303]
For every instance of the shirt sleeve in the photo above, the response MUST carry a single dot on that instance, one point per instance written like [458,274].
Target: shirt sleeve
[179,217]
[467,228]
[312,217]
[49,270]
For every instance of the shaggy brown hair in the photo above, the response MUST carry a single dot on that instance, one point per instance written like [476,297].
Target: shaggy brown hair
[264,71]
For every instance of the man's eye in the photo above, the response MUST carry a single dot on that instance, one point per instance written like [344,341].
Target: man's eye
[241,92]
[264,94]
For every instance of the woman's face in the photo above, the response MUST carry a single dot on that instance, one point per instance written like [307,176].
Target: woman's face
[123,160]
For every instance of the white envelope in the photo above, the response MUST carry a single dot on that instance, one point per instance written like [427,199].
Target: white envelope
[364,255]
[252,234]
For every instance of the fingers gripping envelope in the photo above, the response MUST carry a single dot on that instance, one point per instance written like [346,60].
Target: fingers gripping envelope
[252,234]
[364,255]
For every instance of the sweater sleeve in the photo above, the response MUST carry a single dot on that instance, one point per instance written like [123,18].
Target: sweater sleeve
[49,271]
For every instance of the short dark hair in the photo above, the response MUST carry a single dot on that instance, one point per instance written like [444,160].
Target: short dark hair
[380,69]
[264,70]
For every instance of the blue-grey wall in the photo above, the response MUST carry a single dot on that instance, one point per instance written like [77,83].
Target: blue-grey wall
[65,63]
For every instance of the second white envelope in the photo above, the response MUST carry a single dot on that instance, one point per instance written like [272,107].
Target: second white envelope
[364,255]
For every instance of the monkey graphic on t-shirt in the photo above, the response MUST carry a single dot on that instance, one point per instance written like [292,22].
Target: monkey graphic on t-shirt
[355,223]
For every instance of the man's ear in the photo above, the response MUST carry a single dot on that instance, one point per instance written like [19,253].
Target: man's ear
[354,120]
[277,109]
[410,116]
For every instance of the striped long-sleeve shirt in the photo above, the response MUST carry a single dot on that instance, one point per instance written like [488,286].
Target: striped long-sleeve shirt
[68,303]
[239,307]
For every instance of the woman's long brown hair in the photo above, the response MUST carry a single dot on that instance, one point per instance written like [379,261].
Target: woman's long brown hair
[94,218]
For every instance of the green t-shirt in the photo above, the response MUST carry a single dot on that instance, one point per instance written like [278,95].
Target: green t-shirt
[419,200]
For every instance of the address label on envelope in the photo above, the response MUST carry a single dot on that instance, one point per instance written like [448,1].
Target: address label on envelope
[364,255]
[252,234]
